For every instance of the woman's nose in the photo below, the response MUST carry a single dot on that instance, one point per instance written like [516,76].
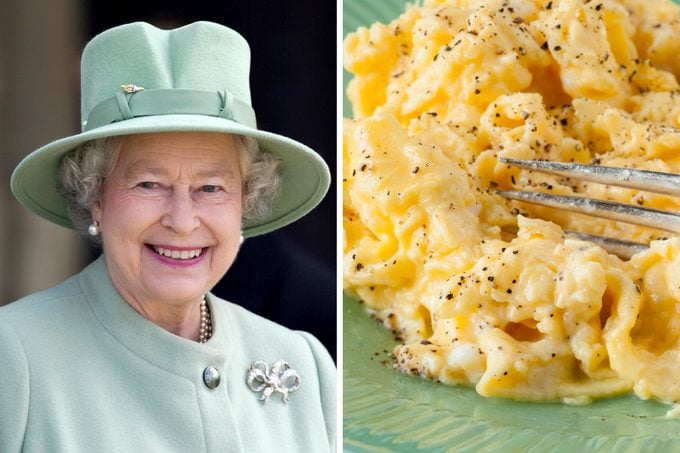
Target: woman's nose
[181,215]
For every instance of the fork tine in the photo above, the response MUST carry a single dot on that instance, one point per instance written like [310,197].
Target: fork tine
[654,218]
[619,247]
[651,181]
[622,249]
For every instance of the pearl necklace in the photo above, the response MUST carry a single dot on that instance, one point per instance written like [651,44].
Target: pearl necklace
[205,331]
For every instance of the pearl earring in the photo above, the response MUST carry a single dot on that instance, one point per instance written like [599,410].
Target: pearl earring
[93,229]
[241,239]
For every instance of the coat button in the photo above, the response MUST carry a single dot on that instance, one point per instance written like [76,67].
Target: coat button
[211,377]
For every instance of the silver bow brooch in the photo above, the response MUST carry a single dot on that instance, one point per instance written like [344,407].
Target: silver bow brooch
[282,378]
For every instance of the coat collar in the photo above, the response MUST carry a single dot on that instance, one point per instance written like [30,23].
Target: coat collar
[149,341]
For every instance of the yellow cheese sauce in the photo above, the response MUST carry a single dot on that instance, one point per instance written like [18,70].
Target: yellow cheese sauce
[439,95]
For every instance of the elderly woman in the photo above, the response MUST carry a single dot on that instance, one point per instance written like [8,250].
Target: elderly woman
[168,176]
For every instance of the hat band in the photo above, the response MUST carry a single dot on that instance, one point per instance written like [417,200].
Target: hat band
[172,101]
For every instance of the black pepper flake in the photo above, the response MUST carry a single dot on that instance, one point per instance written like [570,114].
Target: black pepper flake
[598,7]
[557,48]
[425,342]
[363,167]
[563,121]
[477,91]
[416,170]
[490,278]
[449,296]
[359,266]
[544,46]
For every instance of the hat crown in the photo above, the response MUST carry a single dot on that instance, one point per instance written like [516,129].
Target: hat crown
[200,56]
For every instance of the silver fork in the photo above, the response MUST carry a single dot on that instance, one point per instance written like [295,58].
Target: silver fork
[650,181]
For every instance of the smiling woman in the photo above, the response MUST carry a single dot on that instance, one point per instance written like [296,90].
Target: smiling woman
[156,199]
[168,176]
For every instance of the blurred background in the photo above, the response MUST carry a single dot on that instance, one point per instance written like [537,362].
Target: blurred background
[288,275]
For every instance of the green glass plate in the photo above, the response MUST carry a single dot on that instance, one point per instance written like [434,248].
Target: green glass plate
[387,411]
[384,411]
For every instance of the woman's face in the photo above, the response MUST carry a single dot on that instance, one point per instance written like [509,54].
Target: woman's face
[170,215]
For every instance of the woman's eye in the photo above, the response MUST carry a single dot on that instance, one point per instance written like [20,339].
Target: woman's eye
[147,185]
[210,189]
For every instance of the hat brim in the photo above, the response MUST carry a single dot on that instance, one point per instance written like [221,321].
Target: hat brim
[305,176]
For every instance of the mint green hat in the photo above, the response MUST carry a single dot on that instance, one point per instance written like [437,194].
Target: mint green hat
[137,78]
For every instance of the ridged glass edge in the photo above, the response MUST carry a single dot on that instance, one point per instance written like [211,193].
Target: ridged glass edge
[362,13]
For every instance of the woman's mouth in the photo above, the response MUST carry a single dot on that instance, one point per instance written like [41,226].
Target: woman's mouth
[184,254]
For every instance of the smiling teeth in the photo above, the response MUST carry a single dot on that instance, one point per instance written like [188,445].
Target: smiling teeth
[177,254]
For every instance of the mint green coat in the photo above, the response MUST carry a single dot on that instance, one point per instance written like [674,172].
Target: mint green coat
[80,370]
